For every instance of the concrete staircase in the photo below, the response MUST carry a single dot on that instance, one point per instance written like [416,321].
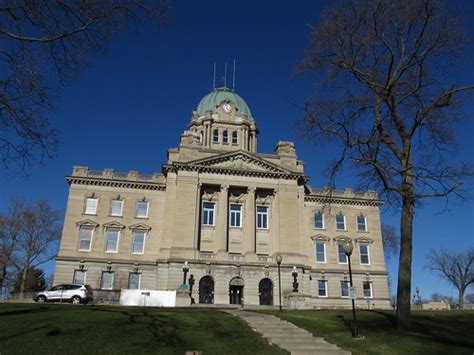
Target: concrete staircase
[286,335]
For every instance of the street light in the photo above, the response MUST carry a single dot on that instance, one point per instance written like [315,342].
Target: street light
[191,284]
[185,271]
[348,248]
[295,279]
[279,259]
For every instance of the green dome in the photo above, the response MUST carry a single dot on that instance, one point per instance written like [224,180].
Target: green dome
[214,98]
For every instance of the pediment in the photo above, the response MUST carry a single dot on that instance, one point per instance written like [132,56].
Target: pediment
[114,224]
[88,223]
[364,240]
[320,238]
[239,161]
[140,226]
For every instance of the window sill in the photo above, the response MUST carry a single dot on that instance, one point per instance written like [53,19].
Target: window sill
[319,229]
[116,215]
[321,262]
[366,231]
[89,214]
[141,217]
[322,296]
[341,230]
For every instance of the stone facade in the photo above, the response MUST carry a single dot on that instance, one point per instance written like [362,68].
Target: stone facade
[227,210]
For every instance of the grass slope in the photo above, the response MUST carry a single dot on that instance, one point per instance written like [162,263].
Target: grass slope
[448,332]
[68,329]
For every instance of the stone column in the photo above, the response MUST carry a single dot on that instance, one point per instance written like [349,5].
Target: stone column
[198,220]
[249,235]
[221,220]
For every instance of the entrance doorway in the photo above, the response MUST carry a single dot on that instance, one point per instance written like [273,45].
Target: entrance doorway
[265,291]
[236,290]
[206,290]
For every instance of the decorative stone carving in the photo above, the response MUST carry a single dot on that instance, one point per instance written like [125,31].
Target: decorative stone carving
[286,149]
[190,138]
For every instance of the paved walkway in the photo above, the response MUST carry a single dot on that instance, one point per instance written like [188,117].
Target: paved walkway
[287,335]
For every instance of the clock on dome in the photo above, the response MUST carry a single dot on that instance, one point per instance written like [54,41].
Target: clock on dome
[227,107]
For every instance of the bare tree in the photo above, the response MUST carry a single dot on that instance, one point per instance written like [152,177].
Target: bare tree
[9,234]
[455,267]
[42,45]
[470,298]
[390,239]
[386,96]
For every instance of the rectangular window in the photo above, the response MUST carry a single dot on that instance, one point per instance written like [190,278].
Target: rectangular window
[235,215]
[138,243]
[91,206]
[234,138]
[341,254]
[320,252]
[116,208]
[215,137]
[364,254]
[318,220]
[361,224]
[134,281]
[79,277]
[345,289]
[85,239]
[262,217]
[208,213]
[367,289]
[107,281]
[111,240]
[322,288]
[340,222]
[142,210]
[225,138]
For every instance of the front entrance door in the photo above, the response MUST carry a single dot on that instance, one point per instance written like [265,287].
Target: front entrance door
[265,290]
[236,294]
[206,290]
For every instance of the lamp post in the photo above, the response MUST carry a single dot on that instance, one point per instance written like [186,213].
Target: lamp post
[279,259]
[348,248]
[191,284]
[295,279]
[185,271]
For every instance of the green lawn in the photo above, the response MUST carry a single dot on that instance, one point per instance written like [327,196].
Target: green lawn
[448,332]
[69,329]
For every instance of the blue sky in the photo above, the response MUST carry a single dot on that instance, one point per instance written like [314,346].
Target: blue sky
[134,101]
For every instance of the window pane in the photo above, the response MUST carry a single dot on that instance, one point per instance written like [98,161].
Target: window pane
[134,281]
[344,289]
[364,254]
[138,242]
[320,252]
[216,136]
[91,206]
[235,213]
[112,240]
[322,288]
[367,289]
[262,217]
[79,277]
[116,208]
[342,257]
[107,280]
[142,209]
[318,221]
[361,226]
[234,137]
[224,137]
[85,237]
[208,213]
[340,222]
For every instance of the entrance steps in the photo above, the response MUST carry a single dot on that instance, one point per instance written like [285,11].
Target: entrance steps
[287,335]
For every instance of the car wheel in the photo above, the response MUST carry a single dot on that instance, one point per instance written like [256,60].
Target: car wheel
[41,299]
[76,300]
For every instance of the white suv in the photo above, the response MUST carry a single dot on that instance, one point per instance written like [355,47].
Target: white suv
[66,292]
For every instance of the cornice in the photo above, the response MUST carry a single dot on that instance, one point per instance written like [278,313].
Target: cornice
[140,185]
[343,201]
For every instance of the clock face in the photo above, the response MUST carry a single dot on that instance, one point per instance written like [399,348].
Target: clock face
[227,108]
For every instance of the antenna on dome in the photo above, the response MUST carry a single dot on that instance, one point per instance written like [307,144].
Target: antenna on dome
[225,75]
[214,78]
[233,78]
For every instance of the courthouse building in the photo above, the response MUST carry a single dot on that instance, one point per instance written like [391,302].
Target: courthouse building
[227,210]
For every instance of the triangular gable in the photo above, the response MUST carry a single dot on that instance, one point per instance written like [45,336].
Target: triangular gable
[114,224]
[365,240]
[320,238]
[239,160]
[140,226]
[87,223]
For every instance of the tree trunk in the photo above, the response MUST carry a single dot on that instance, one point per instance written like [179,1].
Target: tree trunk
[3,276]
[24,275]
[405,261]
[461,298]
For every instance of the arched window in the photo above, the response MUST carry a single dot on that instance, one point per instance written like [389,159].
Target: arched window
[234,137]
[215,137]
[225,138]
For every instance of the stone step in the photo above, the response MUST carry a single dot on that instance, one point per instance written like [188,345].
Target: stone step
[308,347]
[294,340]
[320,352]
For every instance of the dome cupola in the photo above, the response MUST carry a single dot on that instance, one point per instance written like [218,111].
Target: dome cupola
[215,98]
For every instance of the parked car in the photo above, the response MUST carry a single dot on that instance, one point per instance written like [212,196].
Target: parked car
[66,293]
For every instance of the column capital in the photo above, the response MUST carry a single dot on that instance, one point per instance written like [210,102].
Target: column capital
[251,189]
[224,187]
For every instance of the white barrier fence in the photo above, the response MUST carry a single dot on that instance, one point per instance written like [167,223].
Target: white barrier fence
[148,298]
